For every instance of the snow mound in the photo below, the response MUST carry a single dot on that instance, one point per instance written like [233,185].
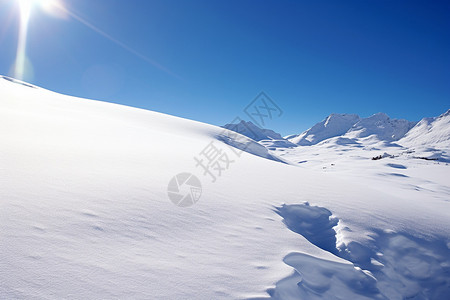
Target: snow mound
[313,222]
[390,266]
[331,126]
[316,279]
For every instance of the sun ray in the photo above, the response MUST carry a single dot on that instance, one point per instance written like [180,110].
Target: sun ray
[57,9]
[25,12]
[119,43]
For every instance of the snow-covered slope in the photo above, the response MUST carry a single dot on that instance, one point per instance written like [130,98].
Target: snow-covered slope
[429,132]
[331,126]
[85,214]
[381,127]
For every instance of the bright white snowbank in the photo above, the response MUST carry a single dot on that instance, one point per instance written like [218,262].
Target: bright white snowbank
[85,214]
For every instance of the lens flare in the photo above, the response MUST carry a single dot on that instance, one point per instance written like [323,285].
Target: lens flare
[54,8]
[25,12]
[23,67]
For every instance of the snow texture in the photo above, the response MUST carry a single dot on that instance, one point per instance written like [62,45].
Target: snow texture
[85,212]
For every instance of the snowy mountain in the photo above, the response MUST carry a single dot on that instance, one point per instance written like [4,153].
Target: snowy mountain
[331,126]
[380,126]
[269,139]
[87,210]
[429,132]
[252,131]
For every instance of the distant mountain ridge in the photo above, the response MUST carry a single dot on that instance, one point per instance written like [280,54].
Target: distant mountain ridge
[352,128]
[331,126]
[252,131]
[380,125]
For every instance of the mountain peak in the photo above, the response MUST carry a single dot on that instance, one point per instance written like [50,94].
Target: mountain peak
[351,126]
[252,131]
[380,115]
[429,131]
[333,125]
[381,126]
[447,113]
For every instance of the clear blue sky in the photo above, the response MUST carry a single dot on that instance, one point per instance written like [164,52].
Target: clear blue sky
[211,58]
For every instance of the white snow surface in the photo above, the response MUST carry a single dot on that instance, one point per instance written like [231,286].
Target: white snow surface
[85,212]
[429,132]
[380,126]
[331,126]
[349,126]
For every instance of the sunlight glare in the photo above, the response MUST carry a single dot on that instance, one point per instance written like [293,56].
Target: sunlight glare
[25,11]
[54,8]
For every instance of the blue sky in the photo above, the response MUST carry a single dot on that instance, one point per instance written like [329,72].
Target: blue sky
[206,60]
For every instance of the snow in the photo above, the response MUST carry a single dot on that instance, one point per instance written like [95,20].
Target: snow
[351,128]
[381,126]
[333,125]
[252,131]
[429,132]
[85,212]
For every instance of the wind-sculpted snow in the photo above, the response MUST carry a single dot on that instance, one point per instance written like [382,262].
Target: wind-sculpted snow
[313,222]
[392,266]
[316,279]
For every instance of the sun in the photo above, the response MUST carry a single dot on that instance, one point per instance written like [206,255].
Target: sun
[52,7]
[55,8]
